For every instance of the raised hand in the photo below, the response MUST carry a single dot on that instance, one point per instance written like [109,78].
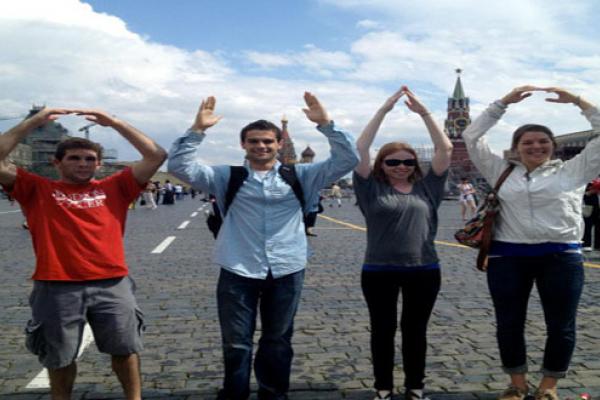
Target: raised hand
[47,114]
[315,111]
[392,100]
[413,103]
[97,116]
[206,115]
[563,96]
[520,93]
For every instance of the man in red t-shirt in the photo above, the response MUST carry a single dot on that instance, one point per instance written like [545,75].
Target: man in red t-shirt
[77,225]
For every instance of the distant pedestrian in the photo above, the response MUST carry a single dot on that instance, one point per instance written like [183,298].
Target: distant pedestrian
[466,198]
[148,196]
[168,193]
[178,188]
[335,195]
[400,208]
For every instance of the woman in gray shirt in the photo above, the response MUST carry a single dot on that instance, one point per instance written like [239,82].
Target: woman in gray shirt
[400,209]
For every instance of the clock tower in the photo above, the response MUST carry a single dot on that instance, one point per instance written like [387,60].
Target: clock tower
[457,121]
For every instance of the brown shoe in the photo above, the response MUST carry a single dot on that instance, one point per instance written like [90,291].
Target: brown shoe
[548,394]
[512,393]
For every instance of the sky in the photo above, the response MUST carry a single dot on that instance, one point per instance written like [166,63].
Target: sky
[152,62]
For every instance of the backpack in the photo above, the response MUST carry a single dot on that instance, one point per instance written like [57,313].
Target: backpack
[238,175]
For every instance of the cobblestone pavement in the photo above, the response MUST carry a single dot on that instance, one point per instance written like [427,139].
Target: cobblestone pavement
[182,359]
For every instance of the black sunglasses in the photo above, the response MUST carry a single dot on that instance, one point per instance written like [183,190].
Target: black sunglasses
[392,162]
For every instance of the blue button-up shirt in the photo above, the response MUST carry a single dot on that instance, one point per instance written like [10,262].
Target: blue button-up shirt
[263,230]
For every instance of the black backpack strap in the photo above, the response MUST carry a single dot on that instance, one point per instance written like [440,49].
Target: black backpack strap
[288,174]
[237,176]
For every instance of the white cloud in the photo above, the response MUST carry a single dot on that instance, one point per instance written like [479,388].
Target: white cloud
[368,24]
[312,59]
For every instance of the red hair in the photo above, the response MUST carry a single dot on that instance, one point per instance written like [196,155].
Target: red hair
[391,148]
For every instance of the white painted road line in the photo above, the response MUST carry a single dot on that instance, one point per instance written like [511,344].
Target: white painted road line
[193,214]
[165,243]
[9,212]
[183,225]
[41,380]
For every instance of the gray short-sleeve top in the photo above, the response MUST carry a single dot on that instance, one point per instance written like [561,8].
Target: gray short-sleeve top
[400,227]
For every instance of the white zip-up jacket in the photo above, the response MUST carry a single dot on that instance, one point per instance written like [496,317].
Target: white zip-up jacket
[545,204]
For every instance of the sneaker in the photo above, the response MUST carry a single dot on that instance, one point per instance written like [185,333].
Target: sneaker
[587,249]
[548,394]
[512,393]
[415,394]
[383,394]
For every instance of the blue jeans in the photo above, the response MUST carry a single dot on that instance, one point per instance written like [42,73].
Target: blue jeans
[238,300]
[559,280]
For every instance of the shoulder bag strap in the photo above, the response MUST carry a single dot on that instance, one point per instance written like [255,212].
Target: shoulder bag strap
[488,222]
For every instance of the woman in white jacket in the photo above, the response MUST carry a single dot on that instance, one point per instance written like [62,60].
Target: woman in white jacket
[536,238]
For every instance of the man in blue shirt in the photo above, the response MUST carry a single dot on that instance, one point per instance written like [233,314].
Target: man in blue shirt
[261,247]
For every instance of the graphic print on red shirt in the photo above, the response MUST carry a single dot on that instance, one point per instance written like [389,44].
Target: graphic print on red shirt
[77,230]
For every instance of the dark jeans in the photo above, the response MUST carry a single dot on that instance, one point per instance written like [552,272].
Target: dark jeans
[419,292]
[238,301]
[559,280]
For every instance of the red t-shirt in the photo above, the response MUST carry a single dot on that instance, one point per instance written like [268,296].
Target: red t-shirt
[77,230]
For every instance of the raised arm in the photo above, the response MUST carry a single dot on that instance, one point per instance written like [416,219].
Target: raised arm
[342,158]
[205,118]
[442,146]
[10,140]
[152,154]
[364,142]
[184,160]
[487,162]
[585,166]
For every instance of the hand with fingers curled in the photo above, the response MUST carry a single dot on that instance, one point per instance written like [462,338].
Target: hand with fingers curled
[205,118]
[520,93]
[47,114]
[564,96]
[392,100]
[414,104]
[99,117]
[315,110]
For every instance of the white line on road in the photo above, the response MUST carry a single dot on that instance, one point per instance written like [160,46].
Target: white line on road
[10,212]
[193,214]
[41,380]
[183,225]
[165,243]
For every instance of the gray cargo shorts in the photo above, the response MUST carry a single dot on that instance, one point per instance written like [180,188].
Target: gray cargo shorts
[61,309]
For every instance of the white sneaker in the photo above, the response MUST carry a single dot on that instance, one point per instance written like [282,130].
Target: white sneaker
[587,249]
[383,394]
[415,394]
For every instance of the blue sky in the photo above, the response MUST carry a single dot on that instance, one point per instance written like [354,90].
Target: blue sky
[234,25]
[152,62]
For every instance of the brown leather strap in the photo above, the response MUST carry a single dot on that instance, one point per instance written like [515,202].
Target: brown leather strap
[503,177]
[488,223]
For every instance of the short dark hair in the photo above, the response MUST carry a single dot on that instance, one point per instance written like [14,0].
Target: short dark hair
[261,125]
[530,128]
[77,143]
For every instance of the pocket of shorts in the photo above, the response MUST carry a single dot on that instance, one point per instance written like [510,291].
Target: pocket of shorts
[34,339]
[141,326]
